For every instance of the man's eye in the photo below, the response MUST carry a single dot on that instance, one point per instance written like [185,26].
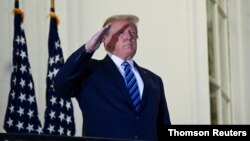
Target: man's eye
[120,32]
[133,33]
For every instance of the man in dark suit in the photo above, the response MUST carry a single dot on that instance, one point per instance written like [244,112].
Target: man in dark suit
[117,97]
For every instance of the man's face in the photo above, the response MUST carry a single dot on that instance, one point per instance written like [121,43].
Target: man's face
[121,39]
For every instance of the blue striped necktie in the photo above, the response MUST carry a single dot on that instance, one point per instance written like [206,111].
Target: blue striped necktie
[132,86]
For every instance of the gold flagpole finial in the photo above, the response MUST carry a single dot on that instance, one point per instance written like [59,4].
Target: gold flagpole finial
[52,11]
[17,10]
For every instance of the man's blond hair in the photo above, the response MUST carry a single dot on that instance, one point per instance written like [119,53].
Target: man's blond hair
[132,18]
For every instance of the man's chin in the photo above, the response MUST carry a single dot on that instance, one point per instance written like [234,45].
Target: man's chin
[130,54]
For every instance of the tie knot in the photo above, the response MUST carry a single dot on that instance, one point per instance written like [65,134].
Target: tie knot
[125,64]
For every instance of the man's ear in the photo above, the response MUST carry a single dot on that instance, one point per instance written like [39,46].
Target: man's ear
[104,40]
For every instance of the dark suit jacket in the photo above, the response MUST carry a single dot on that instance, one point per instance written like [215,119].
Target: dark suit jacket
[105,103]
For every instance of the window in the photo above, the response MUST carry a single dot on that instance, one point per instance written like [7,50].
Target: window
[218,49]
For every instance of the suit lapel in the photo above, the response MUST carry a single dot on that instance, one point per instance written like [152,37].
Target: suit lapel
[113,72]
[146,81]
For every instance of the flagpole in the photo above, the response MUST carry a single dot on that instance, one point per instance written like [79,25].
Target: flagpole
[16,3]
[52,4]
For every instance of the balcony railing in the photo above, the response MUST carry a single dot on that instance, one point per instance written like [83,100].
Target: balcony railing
[33,137]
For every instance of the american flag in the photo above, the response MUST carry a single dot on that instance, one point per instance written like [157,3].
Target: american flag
[21,113]
[59,119]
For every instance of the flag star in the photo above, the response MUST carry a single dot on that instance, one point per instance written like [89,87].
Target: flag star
[50,75]
[60,130]
[11,108]
[30,70]
[55,71]
[30,113]
[51,128]
[23,54]
[22,83]
[68,133]
[53,100]
[17,53]
[57,44]
[17,40]
[19,125]
[31,85]
[13,95]
[14,81]
[23,68]
[61,116]
[31,99]
[22,27]
[68,105]
[68,119]
[22,97]
[52,86]
[39,130]
[20,111]
[57,58]
[30,127]
[10,122]
[61,102]
[51,61]
[52,114]
[14,68]
[22,40]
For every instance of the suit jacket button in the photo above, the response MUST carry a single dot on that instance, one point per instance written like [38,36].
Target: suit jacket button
[136,137]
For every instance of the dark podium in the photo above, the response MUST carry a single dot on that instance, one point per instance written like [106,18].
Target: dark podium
[34,137]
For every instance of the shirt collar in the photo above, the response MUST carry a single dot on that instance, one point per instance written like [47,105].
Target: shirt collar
[118,61]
